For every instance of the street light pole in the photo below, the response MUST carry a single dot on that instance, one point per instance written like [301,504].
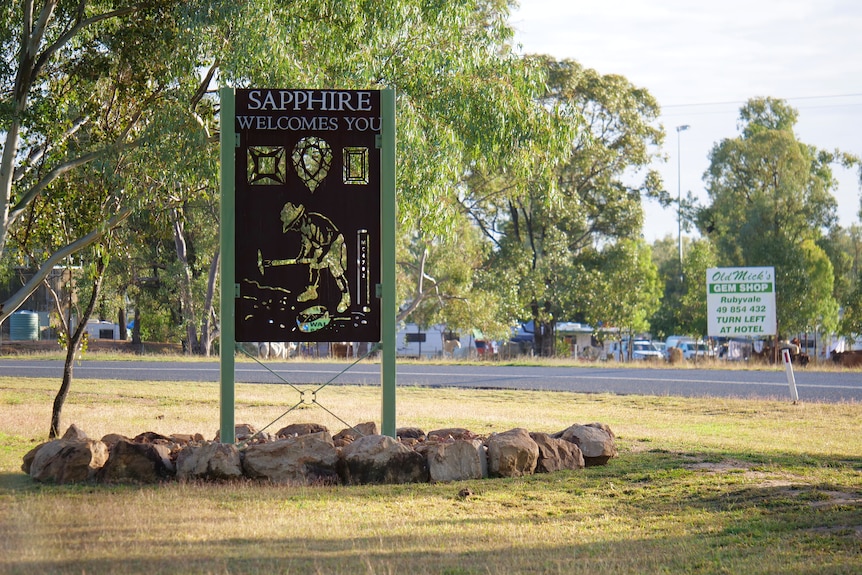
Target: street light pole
[679,191]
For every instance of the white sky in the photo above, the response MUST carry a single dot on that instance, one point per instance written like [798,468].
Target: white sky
[703,60]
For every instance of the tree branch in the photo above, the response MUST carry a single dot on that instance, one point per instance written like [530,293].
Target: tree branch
[80,25]
[18,299]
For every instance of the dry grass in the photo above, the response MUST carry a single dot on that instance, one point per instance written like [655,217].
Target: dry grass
[701,486]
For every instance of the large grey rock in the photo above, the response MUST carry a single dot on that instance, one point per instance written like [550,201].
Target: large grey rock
[65,460]
[209,460]
[512,453]
[382,459]
[131,462]
[304,459]
[556,454]
[456,460]
[596,441]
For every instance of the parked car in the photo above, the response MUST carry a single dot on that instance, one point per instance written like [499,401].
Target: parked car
[619,350]
[691,349]
[645,350]
[674,340]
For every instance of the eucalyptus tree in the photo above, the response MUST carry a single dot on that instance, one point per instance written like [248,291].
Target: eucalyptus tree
[546,228]
[683,303]
[844,247]
[464,98]
[665,256]
[771,201]
[620,288]
[851,320]
[692,312]
[76,202]
[88,89]
[81,83]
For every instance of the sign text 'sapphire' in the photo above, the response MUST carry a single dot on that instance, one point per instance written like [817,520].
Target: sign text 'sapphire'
[309,100]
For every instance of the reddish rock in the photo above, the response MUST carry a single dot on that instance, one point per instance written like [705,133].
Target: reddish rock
[556,454]
[295,429]
[512,453]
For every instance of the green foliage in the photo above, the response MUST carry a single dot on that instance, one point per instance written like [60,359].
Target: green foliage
[620,287]
[843,246]
[692,313]
[63,342]
[665,254]
[851,320]
[804,279]
[448,291]
[544,232]
[90,81]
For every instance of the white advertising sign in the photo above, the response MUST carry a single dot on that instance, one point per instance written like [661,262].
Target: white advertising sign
[740,302]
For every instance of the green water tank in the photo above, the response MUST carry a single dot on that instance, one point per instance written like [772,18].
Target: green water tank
[24,326]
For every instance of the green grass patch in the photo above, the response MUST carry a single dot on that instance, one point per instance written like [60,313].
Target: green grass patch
[700,486]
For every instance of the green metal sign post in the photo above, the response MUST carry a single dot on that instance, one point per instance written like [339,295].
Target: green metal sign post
[228,289]
[388,204]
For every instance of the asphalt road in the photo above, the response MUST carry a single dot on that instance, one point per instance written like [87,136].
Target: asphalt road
[811,385]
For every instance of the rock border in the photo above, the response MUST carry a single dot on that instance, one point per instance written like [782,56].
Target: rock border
[307,454]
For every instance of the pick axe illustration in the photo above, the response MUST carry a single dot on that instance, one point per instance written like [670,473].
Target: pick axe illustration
[262,264]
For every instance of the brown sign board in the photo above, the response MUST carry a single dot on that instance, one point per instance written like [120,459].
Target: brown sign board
[307,215]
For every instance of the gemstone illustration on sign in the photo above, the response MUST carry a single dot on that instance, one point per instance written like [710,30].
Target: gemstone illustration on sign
[267,165]
[356,165]
[313,318]
[312,157]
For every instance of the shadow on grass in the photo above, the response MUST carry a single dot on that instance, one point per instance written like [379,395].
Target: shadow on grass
[741,513]
[16,482]
[744,546]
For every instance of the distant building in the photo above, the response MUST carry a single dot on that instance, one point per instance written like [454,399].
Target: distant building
[42,301]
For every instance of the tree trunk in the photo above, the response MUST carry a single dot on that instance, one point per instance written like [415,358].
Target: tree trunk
[543,330]
[73,344]
[121,320]
[136,328]
[187,305]
[208,330]
[548,339]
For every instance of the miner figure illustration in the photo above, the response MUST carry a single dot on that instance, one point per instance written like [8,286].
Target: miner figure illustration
[322,246]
